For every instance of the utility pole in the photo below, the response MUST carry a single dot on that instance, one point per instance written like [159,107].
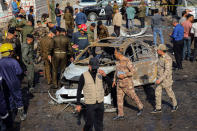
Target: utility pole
[49,11]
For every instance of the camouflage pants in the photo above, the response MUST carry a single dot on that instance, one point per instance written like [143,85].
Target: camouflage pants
[158,95]
[47,70]
[130,91]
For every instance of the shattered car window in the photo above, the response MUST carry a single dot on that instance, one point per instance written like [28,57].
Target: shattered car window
[141,52]
[104,54]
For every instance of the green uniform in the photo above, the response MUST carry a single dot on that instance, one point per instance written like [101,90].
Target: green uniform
[90,35]
[26,30]
[59,50]
[45,43]
[69,20]
[27,57]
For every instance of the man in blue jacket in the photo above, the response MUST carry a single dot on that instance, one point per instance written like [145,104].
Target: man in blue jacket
[177,39]
[80,18]
[3,109]
[15,9]
[10,71]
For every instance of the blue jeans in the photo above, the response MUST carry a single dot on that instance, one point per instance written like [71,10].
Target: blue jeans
[155,32]
[187,47]
[58,19]
[130,23]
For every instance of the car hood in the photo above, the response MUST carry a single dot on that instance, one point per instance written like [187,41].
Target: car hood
[90,7]
[76,70]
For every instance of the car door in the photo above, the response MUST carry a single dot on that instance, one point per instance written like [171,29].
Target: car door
[145,63]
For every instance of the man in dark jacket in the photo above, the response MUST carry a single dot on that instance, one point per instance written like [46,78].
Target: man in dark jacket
[91,82]
[156,24]
[59,50]
[58,15]
[31,17]
[69,7]
[10,71]
[109,13]
[80,39]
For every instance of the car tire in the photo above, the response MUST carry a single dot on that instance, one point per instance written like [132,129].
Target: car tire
[92,16]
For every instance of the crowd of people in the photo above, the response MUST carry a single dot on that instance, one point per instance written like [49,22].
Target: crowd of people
[45,41]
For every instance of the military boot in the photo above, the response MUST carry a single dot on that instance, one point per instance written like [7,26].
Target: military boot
[21,113]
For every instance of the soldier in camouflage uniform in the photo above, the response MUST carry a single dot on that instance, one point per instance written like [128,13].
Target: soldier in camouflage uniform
[123,78]
[38,34]
[164,79]
[102,31]
[45,44]
[27,57]
[59,50]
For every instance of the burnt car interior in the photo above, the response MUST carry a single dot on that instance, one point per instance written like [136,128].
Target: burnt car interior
[140,52]
[104,54]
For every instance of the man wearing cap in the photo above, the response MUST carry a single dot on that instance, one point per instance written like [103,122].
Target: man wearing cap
[91,82]
[10,72]
[59,50]
[27,56]
[80,38]
[123,79]
[45,43]
[164,79]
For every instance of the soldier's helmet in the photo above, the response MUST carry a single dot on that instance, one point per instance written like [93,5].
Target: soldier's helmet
[5,49]
[162,47]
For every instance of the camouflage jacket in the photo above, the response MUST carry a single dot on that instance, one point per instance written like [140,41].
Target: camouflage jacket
[142,11]
[40,32]
[164,73]
[102,33]
[125,67]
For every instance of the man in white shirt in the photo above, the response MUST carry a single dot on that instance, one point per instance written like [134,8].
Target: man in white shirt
[194,31]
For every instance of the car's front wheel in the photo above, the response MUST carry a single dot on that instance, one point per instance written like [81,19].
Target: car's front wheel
[92,16]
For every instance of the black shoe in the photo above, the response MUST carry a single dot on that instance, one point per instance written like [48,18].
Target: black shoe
[117,118]
[139,112]
[54,87]
[156,111]
[174,108]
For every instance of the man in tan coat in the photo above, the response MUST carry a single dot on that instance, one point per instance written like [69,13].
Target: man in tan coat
[117,22]
[164,79]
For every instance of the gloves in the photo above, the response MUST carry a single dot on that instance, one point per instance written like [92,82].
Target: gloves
[21,113]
